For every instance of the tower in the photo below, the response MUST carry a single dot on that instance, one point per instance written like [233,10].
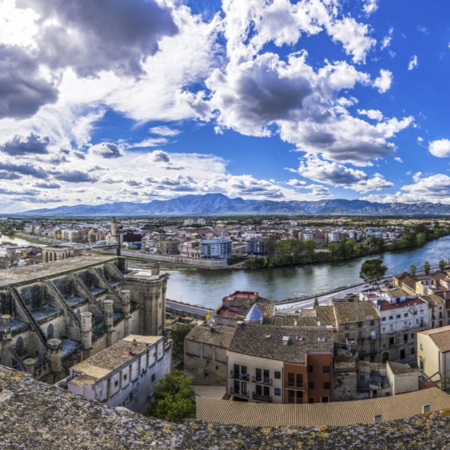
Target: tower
[148,289]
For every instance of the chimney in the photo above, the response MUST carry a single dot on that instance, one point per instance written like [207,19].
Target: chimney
[86,330]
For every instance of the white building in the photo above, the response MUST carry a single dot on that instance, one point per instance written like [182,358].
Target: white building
[124,374]
[216,248]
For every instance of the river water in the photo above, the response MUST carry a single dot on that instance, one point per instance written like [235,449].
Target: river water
[208,287]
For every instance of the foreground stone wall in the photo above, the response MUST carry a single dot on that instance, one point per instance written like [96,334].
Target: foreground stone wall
[37,416]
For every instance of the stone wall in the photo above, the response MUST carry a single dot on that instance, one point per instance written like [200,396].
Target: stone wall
[42,417]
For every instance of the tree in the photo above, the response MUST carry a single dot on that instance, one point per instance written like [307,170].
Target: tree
[316,302]
[426,267]
[372,270]
[173,398]
[412,270]
[442,265]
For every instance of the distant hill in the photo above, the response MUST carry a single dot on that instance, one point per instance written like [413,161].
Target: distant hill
[219,204]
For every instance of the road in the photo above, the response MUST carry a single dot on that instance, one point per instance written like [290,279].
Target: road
[186,307]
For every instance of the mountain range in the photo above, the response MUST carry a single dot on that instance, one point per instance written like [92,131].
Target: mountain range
[219,204]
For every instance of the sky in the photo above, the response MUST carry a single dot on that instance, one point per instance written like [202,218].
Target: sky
[136,100]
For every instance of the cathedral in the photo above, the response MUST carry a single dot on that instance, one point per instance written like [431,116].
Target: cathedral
[65,310]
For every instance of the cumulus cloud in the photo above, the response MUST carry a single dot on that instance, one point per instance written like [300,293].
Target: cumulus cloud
[31,144]
[24,169]
[373,114]
[384,81]
[74,176]
[106,150]
[413,63]
[354,37]
[91,36]
[23,88]
[440,148]
[386,42]
[160,156]
[164,131]
[336,174]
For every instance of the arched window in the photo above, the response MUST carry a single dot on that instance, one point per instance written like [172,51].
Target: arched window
[50,332]
[385,357]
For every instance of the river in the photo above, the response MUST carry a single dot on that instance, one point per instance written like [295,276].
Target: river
[207,287]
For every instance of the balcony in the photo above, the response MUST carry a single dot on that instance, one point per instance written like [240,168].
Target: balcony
[238,394]
[296,387]
[261,398]
[239,376]
[265,381]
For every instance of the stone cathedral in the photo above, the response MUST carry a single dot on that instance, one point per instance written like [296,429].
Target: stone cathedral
[61,312]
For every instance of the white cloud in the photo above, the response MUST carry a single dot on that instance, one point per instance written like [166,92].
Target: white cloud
[370,6]
[384,81]
[413,63]
[386,41]
[373,114]
[440,148]
[336,174]
[353,36]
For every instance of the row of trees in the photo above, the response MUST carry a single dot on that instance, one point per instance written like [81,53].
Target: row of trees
[289,252]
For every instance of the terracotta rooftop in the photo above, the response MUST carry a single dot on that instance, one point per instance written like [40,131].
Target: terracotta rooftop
[387,306]
[355,311]
[267,341]
[321,414]
[440,337]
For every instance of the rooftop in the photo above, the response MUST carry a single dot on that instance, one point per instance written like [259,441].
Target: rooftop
[387,306]
[440,337]
[322,414]
[103,363]
[400,369]
[221,336]
[267,342]
[27,274]
[355,311]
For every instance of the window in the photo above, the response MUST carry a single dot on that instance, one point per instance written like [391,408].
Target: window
[347,335]
[383,319]
[258,373]
[326,369]
[278,391]
[326,385]
[125,376]
[291,379]
[361,377]
[391,317]
[398,316]
[299,380]
[359,324]
[372,322]
[324,399]
[405,315]
[413,351]
[310,369]
[277,374]
[206,373]
[116,383]
[421,346]
[310,400]
[311,385]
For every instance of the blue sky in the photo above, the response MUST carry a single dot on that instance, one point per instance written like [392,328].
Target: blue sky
[138,100]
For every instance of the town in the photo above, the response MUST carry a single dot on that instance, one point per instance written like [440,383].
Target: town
[85,322]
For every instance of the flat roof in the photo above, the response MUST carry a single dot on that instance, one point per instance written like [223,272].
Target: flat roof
[21,275]
[321,414]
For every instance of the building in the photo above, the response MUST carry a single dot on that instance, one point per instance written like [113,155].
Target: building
[57,314]
[272,364]
[205,354]
[220,248]
[124,374]
[358,325]
[237,305]
[433,355]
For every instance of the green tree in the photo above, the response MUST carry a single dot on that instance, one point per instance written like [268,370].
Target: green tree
[426,267]
[316,302]
[442,265]
[412,270]
[373,270]
[421,239]
[173,398]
